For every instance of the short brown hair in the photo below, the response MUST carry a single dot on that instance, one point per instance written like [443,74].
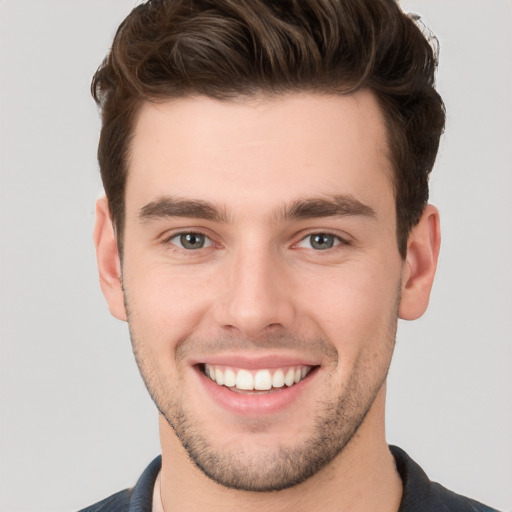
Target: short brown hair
[226,48]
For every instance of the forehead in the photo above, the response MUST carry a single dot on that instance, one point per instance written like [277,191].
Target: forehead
[264,149]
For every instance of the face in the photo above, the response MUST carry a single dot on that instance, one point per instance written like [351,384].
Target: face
[262,278]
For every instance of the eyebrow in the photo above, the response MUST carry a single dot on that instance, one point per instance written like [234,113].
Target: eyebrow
[168,207]
[341,205]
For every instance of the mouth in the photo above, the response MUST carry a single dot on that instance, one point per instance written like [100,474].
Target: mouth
[256,382]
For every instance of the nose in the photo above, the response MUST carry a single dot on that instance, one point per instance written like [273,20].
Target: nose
[256,296]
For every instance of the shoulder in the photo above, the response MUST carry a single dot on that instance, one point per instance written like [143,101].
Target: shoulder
[422,494]
[119,502]
[136,499]
[453,502]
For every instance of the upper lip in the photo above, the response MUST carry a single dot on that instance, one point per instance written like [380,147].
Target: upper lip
[255,362]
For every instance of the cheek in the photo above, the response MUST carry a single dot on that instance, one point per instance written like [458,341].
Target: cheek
[354,305]
[351,304]
[165,304]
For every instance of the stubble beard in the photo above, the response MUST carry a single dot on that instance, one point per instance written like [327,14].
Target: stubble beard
[267,471]
[336,423]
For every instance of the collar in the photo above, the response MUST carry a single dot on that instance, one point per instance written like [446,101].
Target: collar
[419,492]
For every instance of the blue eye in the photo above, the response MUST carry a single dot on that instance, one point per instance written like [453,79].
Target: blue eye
[320,241]
[191,241]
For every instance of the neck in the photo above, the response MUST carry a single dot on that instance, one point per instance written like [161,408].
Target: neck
[362,478]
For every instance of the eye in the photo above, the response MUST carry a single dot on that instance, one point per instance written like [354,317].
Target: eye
[190,241]
[320,241]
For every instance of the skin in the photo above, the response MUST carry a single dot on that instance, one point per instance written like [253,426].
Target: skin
[259,288]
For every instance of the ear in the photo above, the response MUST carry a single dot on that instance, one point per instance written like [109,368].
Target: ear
[109,263]
[420,264]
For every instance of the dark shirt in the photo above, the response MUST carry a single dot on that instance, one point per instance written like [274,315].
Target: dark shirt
[419,494]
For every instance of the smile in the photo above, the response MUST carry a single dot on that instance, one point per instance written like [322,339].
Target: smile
[242,380]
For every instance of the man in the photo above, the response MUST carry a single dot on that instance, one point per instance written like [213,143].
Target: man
[265,224]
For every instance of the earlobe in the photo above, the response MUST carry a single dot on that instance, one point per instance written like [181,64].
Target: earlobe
[107,257]
[420,264]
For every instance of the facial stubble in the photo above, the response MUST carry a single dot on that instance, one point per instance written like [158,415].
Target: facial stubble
[336,421]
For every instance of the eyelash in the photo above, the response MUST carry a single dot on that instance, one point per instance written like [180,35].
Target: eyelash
[338,241]
[175,247]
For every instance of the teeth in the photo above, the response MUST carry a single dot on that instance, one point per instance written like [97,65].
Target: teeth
[229,378]
[244,380]
[289,378]
[260,380]
[278,379]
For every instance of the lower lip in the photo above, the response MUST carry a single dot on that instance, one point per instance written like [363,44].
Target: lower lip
[260,404]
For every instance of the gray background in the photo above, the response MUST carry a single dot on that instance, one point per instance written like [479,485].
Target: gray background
[76,424]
